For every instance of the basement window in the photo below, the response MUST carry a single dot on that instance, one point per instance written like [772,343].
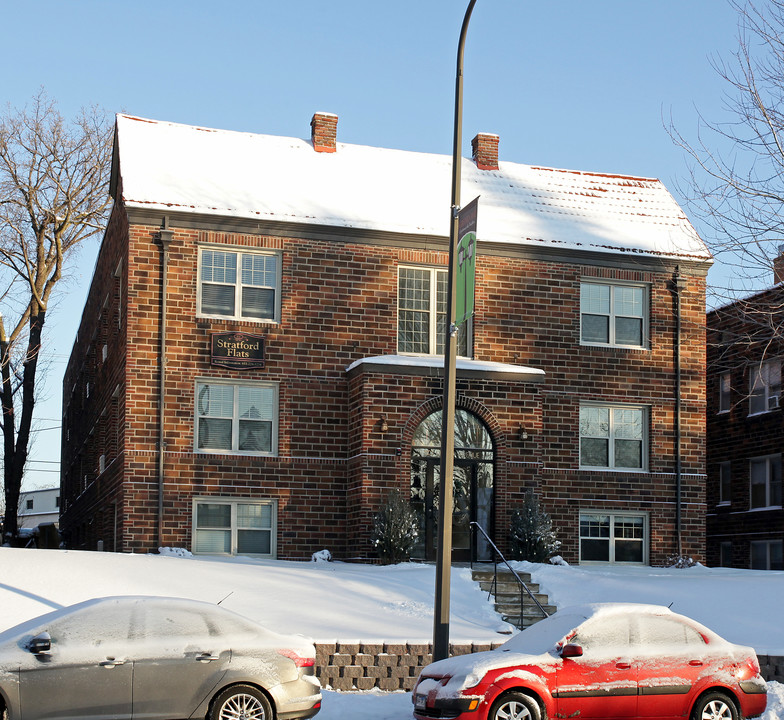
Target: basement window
[223,526]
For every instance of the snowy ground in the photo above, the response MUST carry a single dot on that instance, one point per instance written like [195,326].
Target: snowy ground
[345,602]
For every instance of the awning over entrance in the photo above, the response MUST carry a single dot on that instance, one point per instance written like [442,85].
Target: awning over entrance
[433,365]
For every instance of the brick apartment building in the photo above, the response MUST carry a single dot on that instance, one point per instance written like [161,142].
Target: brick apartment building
[745,519]
[258,360]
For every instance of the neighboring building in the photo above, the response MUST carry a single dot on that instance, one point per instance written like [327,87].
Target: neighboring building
[39,506]
[745,519]
[303,287]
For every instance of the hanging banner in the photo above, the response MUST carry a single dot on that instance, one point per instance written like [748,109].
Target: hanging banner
[466,262]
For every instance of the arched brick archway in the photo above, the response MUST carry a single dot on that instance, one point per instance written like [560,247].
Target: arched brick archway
[480,449]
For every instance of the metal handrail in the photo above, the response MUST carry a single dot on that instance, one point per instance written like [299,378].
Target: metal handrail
[520,581]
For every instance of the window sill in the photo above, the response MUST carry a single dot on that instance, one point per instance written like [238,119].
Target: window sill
[227,319]
[609,346]
[636,471]
[763,509]
[234,453]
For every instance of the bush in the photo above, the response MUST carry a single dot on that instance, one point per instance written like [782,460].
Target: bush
[395,529]
[531,536]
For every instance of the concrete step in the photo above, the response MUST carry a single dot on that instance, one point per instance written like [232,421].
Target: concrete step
[507,596]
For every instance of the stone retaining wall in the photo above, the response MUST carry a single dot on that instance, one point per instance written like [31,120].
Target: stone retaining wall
[395,666]
[772,667]
[386,666]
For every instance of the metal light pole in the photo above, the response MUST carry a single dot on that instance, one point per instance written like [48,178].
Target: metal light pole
[444,558]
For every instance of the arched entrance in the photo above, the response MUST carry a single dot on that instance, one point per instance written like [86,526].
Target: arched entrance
[473,485]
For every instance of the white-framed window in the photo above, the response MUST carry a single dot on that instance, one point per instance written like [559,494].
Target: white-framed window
[613,537]
[767,555]
[764,386]
[725,398]
[239,284]
[227,526]
[765,481]
[725,483]
[421,313]
[613,437]
[240,418]
[613,314]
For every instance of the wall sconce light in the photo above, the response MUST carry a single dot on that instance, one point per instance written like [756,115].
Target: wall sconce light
[521,433]
[383,426]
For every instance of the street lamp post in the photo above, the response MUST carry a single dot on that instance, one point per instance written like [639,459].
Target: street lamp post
[444,557]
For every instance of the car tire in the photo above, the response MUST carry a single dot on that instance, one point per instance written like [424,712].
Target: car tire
[715,706]
[514,706]
[243,701]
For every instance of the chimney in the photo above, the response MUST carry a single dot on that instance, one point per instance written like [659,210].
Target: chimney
[484,150]
[778,266]
[324,131]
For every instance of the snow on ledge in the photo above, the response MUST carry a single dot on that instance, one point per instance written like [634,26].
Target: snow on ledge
[434,365]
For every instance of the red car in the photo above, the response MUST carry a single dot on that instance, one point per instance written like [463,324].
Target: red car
[609,661]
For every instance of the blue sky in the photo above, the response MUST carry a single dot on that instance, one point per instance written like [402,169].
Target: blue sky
[566,83]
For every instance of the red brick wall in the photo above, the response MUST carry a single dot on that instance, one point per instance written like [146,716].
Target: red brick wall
[740,336]
[334,464]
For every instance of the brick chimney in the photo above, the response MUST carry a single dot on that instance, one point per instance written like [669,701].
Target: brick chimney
[778,266]
[484,149]
[324,131]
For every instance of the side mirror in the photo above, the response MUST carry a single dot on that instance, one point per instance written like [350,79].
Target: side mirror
[571,650]
[40,644]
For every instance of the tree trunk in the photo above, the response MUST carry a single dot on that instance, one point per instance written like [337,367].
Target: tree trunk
[16,442]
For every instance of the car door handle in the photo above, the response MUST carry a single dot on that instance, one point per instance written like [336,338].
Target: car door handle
[623,665]
[696,663]
[111,662]
[206,657]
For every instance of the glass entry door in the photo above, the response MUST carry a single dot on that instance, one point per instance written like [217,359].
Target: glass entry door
[472,487]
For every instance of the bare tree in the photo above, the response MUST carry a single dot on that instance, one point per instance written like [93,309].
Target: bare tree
[736,184]
[53,196]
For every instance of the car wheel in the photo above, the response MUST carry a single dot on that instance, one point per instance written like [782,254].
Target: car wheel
[514,706]
[240,702]
[715,706]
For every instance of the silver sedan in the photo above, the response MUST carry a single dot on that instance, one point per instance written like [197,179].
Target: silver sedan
[153,658]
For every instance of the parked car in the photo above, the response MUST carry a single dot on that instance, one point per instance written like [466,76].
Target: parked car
[606,661]
[154,658]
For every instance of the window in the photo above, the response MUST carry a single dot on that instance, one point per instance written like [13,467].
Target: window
[725,482]
[421,313]
[613,315]
[613,437]
[767,555]
[725,553]
[764,387]
[613,538]
[239,285]
[234,527]
[724,392]
[236,418]
[30,504]
[765,476]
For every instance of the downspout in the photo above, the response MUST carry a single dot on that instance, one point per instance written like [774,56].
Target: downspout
[165,237]
[680,285]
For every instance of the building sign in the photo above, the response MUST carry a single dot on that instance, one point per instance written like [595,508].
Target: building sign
[466,262]
[237,350]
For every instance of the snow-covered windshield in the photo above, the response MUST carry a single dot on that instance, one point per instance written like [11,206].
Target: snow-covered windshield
[542,637]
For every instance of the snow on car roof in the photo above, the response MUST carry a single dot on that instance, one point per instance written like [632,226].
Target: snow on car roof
[183,168]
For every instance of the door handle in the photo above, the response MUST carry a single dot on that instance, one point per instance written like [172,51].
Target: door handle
[623,665]
[206,657]
[696,663]
[111,662]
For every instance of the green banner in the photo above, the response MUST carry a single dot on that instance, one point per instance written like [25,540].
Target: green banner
[466,262]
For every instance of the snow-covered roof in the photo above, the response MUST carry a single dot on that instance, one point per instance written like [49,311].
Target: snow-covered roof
[169,166]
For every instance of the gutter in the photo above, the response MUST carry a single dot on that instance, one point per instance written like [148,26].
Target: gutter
[165,236]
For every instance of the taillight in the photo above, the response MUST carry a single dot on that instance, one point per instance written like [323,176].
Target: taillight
[299,660]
